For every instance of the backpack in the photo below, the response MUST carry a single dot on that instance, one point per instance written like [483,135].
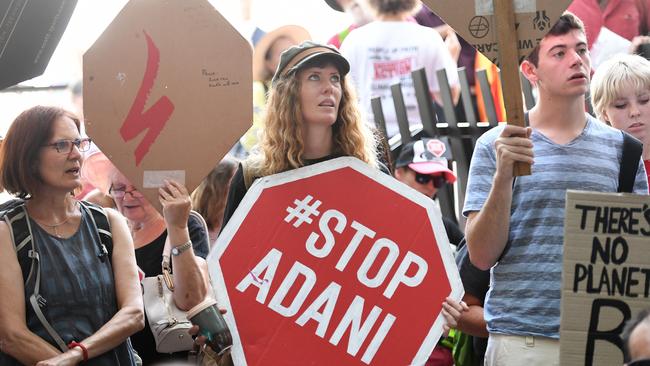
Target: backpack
[15,215]
[632,149]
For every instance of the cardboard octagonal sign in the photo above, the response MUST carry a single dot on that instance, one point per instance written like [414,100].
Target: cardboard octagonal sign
[167,91]
[474,20]
[334,264]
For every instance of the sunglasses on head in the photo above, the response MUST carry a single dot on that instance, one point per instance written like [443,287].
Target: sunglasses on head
[438,180]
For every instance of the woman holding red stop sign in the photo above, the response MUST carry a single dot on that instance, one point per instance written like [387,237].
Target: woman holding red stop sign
[312,117]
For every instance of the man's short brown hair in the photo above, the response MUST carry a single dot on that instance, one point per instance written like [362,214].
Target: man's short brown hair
[19,153]
[567,22]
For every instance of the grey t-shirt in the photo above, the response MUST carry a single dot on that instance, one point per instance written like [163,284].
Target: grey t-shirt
[524,296]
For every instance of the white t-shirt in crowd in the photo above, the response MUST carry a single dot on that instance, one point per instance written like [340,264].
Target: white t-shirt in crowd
[383,53]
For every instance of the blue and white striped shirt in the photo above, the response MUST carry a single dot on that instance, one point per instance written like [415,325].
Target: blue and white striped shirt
[524,296]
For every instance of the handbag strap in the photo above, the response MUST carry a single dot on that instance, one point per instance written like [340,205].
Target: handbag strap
[167,266]
[166,263]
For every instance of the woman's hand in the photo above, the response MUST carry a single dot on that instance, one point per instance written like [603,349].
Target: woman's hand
[70,358]
[452,311]
[194,330]
[176,204]
[200,339]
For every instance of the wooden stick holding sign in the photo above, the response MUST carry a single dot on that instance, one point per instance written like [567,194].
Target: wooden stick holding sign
[504,15]
[504,31]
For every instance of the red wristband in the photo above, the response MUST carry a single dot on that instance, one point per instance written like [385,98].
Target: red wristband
[84,350]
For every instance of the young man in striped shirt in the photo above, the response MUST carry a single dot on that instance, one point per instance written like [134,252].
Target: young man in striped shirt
[515,225]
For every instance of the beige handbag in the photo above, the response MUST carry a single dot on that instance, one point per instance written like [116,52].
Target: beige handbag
[168,324]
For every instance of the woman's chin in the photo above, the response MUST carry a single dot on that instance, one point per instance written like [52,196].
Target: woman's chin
[135,214]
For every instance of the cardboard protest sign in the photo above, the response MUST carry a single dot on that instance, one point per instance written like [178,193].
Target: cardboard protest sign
[29,34]
[167,91]
[475,21]
[334,264]
[606,274]
[505,31]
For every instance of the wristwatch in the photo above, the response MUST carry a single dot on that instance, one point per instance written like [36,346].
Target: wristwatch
[176,251]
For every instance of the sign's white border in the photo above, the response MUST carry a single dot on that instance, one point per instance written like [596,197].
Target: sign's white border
[256,189]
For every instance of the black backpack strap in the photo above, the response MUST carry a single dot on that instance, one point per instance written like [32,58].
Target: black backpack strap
[21,236]
[103,226]
[632,149]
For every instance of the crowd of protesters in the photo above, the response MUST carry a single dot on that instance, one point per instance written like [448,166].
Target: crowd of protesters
[312,104]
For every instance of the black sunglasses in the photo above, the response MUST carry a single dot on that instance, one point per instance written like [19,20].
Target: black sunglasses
[438,180]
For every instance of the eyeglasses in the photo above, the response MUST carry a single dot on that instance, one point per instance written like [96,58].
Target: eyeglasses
[65,146]
[438,180]
[120,192]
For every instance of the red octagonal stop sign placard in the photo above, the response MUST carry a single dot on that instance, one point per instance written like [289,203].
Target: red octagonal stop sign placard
[334,264]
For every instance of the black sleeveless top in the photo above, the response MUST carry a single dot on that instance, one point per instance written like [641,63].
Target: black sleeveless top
[79,288]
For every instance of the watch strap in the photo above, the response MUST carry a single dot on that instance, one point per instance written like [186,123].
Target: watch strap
[178,250]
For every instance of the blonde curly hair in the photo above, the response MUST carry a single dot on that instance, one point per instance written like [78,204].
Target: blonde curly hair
[281,146]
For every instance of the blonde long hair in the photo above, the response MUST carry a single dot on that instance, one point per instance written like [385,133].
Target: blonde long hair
[281,146]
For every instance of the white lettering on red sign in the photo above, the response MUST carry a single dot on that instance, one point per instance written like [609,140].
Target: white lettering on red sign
[320,244]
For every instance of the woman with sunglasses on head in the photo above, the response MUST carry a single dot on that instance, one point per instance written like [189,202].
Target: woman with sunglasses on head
[87,306]
[187,238]
[312,116]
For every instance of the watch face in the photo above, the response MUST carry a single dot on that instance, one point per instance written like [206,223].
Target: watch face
[175,251]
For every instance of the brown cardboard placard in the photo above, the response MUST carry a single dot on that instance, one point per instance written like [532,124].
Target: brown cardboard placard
[605,276]
[474,20]
[167,91]
[505,31]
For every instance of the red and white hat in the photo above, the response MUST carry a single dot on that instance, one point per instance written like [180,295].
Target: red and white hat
[426,156]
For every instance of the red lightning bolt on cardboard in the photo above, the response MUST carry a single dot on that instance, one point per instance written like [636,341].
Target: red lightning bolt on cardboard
[167,91]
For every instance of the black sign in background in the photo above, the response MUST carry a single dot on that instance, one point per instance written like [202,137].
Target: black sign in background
[29,32]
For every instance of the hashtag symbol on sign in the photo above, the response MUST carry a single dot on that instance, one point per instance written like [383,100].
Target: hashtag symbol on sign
[303,211]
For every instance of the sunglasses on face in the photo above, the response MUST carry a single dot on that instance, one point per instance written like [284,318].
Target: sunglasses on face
[438,180]
[120,192]
[65,146]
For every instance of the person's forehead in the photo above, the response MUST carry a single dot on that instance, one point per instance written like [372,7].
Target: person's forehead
[571,39]
[628,88]
[326,67]
[118,178]
[64,124]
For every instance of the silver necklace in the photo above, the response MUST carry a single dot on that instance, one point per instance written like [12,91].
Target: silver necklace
[55,226]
